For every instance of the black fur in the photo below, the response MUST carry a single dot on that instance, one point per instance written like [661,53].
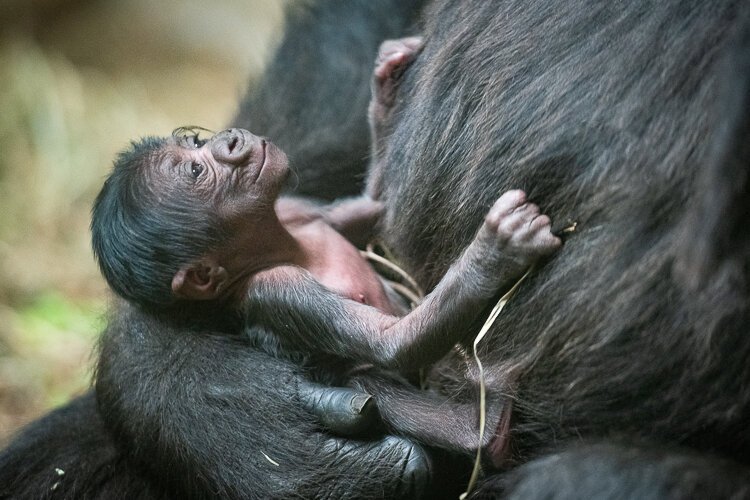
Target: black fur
[715,234]
[622,116]
[198,437]
[68,455]
[205,415]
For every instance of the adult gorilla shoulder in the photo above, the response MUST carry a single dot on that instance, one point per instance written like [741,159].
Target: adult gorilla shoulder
[607,114]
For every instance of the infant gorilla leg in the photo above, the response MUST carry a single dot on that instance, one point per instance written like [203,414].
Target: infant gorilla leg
[429,417]
[394,57]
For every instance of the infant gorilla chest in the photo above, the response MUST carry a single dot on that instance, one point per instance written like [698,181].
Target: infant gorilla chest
[337,264]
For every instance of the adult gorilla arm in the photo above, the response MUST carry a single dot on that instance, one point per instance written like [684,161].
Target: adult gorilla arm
[204,414]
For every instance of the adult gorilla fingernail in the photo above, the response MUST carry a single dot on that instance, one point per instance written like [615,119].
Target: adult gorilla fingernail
[360,401]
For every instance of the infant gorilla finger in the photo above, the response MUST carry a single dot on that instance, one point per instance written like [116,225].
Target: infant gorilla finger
[540,221]
[520,219]
[401,48]
[515,224]
[394,56]
[388,64]
[516,228]
[507,203]
[540,235]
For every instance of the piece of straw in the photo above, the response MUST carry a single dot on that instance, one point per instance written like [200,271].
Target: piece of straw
[273,462]
[482,390]
[369,254]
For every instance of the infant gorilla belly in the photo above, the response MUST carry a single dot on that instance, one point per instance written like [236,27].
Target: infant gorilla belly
[338,265]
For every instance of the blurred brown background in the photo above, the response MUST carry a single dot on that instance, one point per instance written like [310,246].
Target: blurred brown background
[78,80]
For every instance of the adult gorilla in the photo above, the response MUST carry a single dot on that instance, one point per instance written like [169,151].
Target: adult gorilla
[632,119]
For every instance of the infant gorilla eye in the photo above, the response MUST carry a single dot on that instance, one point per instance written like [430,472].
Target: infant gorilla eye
[196,169]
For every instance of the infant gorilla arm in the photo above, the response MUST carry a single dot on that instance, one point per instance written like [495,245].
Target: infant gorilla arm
[291,303]
[356,218]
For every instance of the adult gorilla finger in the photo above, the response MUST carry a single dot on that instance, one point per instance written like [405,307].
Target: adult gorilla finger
[397,466]
[341,410]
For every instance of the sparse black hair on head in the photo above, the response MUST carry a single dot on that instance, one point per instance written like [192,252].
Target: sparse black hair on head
[139,239]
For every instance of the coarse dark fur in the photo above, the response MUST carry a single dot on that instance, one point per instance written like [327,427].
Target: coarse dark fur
[68,454]
[186,401]
[177,424]
[607,114]
[714,231]
[608,472]
[312,99]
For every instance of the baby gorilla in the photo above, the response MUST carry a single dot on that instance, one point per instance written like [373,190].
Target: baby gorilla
[186,221]
[182,220]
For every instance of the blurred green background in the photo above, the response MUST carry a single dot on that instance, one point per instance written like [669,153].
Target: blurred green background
[78,80]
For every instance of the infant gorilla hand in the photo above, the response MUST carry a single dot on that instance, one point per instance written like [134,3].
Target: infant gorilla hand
[514,235]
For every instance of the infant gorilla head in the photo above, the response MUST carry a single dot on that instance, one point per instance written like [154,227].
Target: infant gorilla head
[169,201]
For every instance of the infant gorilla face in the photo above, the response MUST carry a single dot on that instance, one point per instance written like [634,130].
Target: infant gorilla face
[234,171]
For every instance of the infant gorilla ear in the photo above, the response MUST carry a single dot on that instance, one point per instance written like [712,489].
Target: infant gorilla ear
[203,279]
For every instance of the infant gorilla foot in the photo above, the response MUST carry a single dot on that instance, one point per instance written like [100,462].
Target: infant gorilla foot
[515,234]
[394,56]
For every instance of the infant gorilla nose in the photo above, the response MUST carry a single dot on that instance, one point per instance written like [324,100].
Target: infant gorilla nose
[237,147]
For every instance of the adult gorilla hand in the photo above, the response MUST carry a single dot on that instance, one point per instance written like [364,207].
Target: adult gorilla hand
[349,412]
